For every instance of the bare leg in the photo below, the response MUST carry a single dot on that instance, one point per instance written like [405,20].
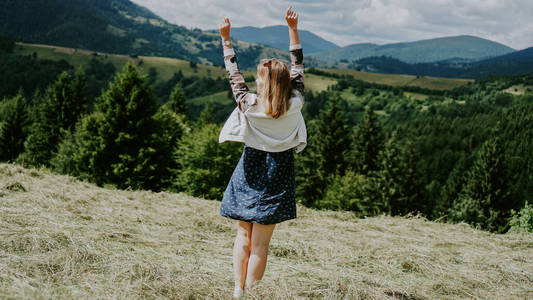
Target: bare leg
[241,252]
[261,235]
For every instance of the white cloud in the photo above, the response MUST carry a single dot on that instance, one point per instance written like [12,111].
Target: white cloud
[380,21]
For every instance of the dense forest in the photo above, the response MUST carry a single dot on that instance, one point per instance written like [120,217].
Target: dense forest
[463,155]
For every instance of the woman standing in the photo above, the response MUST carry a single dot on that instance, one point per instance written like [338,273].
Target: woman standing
[260,193]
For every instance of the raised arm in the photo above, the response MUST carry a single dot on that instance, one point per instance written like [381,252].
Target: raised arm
[240,90]
[297,67]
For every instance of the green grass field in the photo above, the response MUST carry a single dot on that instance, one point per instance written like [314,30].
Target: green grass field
[66,239]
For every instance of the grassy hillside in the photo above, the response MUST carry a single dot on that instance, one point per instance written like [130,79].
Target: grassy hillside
[66,239]
[114,26]
[167,66]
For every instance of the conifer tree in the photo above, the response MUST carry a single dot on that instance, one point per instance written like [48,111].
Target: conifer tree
[329,141]
[121,142]
[207,116]
[368,142]
[452,187]
[59,109]
[482,199]
[172,127]
[400,180]
[177,102]
[14,122]
[127,153]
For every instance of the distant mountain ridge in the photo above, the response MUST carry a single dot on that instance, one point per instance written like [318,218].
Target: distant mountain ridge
[122,27]
[516,63]
[278,37]
[424,51]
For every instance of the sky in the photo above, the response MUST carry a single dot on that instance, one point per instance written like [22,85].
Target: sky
[346,22]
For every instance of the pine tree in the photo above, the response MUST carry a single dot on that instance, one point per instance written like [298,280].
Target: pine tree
[482,200]
[207,116]
[401,182]
[121,142]
[177,102]
[14,122]
[452,187]
[328,143]
[59,109]
[368,142]
[172,128]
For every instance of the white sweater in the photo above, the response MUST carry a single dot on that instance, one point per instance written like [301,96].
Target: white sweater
[249,124]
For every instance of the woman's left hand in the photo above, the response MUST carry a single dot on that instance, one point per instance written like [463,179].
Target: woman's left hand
[224,28]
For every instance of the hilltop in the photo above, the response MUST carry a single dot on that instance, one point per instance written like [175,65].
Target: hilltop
[62,238]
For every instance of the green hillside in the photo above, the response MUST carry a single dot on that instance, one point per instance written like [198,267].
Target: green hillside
[166,67]
[116,26]
[64,239]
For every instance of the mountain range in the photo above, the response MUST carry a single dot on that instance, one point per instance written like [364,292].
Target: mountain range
[462,48]
[117,26]
[438,49]
[122,27]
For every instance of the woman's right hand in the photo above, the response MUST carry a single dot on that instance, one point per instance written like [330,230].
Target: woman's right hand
[292,18]
[224,27]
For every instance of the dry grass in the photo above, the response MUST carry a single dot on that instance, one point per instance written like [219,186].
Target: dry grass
[518,89]
[61,238]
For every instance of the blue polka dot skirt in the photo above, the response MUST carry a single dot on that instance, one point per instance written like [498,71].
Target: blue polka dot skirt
[261,189]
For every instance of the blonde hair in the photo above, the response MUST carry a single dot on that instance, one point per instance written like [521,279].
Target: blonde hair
[274,86]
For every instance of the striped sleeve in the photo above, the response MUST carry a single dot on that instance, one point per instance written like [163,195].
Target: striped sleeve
[297,68]
[240,90]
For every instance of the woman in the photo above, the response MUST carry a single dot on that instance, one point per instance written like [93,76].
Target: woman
[260,193]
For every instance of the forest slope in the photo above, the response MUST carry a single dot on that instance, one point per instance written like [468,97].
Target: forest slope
[62,238]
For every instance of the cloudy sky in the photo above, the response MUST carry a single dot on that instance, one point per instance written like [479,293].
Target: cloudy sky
[347,22]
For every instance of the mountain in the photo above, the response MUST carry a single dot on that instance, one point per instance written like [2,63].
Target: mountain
[439,49]
[516,63]
[278,37]
[117,26]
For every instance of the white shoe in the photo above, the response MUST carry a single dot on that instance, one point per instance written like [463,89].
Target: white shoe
[238,292]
